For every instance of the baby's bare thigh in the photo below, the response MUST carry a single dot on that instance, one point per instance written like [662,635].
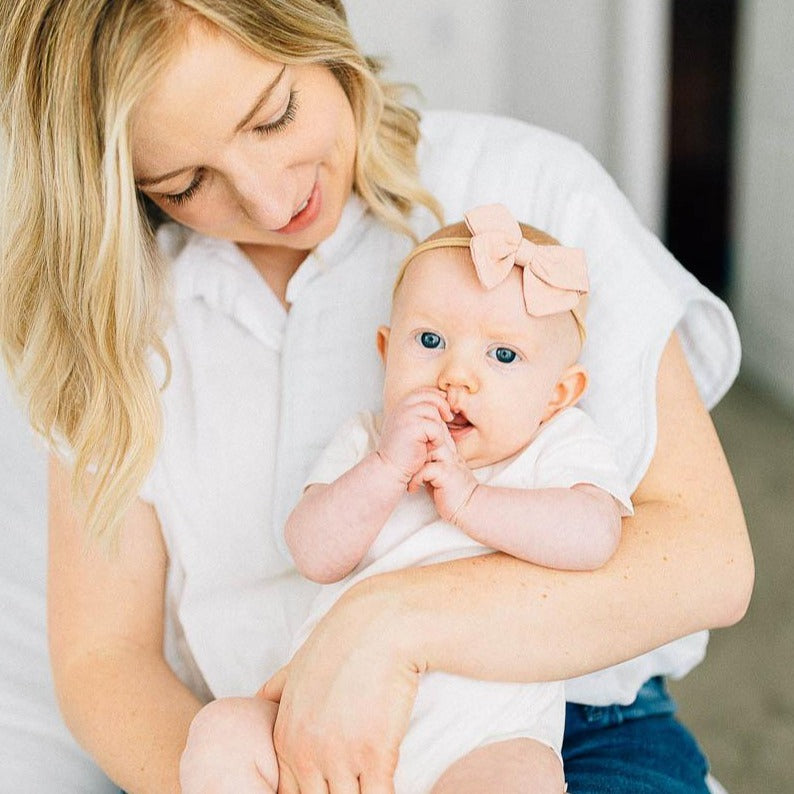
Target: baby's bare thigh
[230,748]
[516,766]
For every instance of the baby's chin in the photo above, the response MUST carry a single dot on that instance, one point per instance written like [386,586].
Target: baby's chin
[479,460]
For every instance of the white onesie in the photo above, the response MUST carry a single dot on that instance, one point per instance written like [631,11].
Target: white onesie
[454,715]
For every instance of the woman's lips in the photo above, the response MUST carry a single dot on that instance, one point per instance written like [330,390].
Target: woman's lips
[306,215]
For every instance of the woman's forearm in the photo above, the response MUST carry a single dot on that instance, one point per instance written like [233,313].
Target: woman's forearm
[684,563]
[505,619]
[105,618]
[131,714]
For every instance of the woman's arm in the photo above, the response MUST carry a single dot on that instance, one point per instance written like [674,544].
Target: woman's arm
[684,563]
[105,618]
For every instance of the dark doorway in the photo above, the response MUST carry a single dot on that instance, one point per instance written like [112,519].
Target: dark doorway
[698,212]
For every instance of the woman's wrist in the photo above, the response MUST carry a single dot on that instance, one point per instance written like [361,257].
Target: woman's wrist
[391,610]
[426,618]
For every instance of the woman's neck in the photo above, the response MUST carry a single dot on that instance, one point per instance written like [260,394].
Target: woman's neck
[275,265]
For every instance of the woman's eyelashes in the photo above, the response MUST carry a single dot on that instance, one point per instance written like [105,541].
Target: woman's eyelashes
[283,120]
[262,129]
[180,198]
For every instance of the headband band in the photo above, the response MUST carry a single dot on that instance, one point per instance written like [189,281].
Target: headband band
[554,277]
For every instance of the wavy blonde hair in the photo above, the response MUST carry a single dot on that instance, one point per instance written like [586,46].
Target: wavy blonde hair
[81,283]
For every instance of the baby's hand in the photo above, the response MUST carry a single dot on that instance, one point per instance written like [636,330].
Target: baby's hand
[413,430]
[449,480]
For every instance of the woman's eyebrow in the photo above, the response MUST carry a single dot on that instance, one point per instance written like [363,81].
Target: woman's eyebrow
[146,181]
[261,100]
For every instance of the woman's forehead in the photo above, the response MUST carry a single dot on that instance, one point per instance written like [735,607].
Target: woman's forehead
[206,89]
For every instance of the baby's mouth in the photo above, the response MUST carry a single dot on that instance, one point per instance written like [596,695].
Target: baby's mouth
[458,423]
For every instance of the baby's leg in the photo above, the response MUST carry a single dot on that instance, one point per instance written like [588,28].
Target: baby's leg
[229,749]
[515,766]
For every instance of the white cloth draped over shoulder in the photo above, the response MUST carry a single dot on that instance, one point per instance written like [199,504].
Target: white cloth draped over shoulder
[257,392]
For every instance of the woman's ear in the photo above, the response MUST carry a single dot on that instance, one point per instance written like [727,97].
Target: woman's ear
[382,341]
[568,390]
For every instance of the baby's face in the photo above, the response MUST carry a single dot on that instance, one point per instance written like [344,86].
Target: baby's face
[497,366]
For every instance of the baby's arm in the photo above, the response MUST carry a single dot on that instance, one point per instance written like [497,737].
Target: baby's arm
[575,528]
[333,525]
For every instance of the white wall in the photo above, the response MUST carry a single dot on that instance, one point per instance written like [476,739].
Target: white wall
[764,195]
[448,49]
[595,70]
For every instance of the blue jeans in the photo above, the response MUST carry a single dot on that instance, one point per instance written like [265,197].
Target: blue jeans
[640,748]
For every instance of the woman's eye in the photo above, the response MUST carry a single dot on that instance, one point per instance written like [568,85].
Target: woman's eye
[283,120]
[187,193]
[429,340]
[504,355]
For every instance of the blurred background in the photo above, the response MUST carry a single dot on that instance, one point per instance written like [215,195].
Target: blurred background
[689,104]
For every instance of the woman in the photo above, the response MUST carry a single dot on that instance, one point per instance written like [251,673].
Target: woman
[293,174]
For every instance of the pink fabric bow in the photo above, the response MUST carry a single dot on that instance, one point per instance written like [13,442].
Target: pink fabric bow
[554,276]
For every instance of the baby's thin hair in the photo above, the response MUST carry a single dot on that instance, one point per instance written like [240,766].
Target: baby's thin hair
[458,235]
[460,232]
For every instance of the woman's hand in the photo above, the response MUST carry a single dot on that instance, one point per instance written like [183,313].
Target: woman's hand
[345,700]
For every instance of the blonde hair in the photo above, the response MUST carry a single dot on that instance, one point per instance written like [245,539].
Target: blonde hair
[81,284]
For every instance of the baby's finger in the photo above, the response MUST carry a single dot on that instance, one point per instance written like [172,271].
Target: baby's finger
[429,396]
[444,452]
[441,435]
[430,473]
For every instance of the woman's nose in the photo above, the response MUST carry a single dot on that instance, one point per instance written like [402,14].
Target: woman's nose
[265,195]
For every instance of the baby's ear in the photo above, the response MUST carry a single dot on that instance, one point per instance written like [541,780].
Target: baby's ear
[382,341]
[568,391]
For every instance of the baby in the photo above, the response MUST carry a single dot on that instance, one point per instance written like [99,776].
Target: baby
[479,449]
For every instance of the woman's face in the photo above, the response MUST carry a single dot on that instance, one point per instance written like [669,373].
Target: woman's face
[245,149]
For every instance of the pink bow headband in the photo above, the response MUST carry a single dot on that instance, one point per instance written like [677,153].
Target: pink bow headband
[554,277]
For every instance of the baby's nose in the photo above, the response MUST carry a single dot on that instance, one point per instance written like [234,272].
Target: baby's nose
[458,377]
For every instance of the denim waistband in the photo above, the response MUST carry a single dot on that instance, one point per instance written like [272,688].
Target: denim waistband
[652,700]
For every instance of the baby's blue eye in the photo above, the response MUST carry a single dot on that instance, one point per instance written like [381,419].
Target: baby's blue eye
[430,340]
[504,355]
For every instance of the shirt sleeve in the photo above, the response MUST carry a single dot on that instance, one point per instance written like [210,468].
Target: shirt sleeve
[354,440]
[574,451]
